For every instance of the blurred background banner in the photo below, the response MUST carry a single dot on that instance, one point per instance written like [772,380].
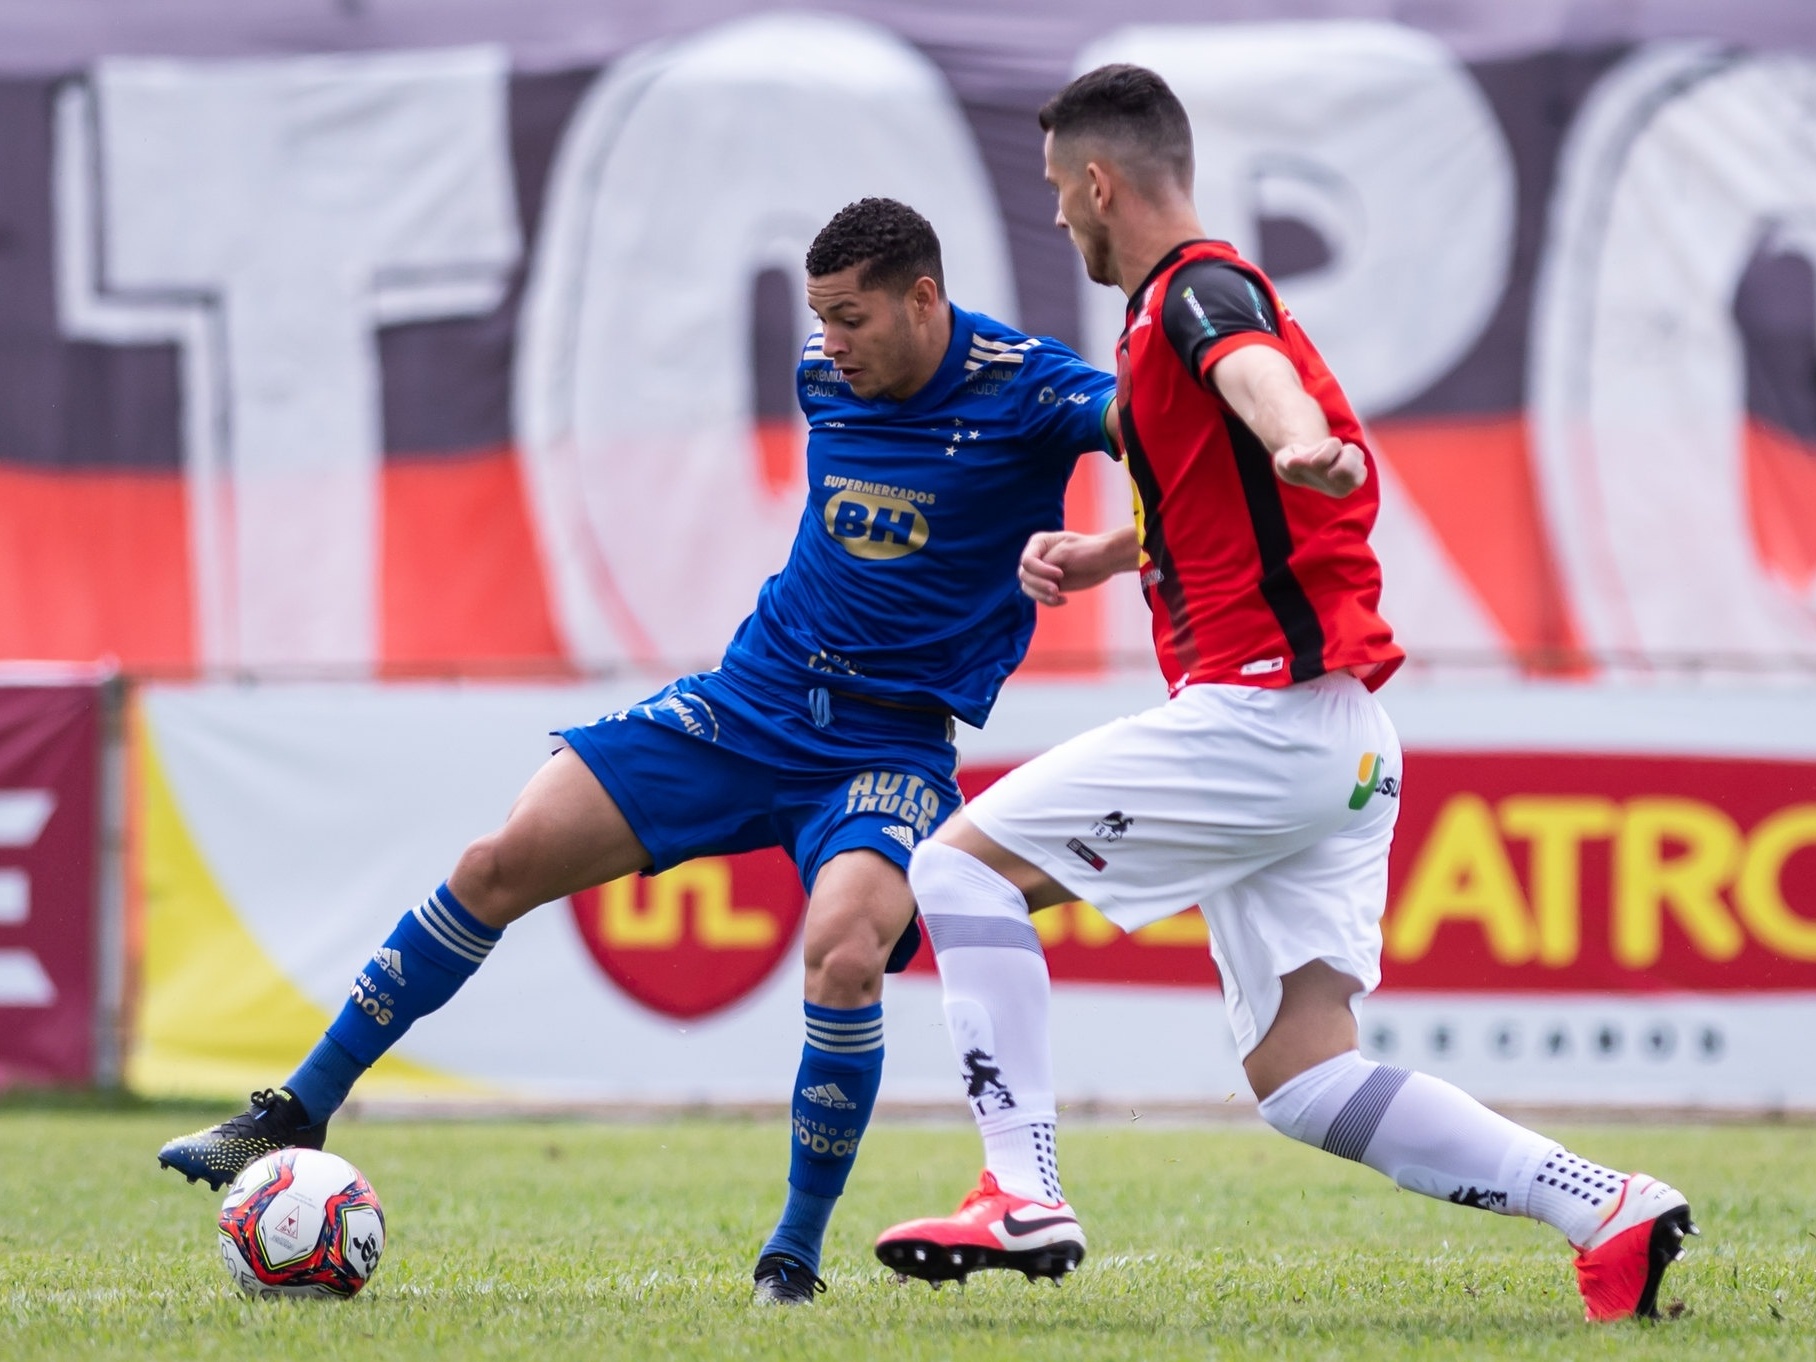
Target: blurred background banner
[1590,904]
[50,867]
[395,338]
[431,366]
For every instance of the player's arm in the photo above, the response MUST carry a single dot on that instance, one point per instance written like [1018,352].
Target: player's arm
[1059,561]
[1262,387]
[1221,324]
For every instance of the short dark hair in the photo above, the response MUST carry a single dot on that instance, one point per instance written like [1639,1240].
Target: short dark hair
[894,244]
[1129,105]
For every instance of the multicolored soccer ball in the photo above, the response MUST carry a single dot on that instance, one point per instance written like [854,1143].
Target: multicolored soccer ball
[301,1222]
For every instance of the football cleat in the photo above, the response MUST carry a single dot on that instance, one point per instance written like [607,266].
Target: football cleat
[1620,1266]
[272,1121]
[991,1228]
[783,1281]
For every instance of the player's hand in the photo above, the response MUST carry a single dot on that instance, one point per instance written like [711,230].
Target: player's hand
[1057,561]
[1329,466]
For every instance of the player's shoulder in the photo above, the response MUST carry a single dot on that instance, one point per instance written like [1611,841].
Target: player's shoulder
[1224,290]
[1001,358]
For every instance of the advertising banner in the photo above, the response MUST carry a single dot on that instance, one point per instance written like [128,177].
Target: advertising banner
[1592,901]
[50,757]
[285,304]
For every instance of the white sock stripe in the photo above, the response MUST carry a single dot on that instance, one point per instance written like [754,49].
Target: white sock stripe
[456,926]
[871,1025]
[445,938]
[868,1033]
[833,1049]
[951,931]
[870,1040]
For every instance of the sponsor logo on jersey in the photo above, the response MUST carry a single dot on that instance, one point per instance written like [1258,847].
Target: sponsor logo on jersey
[1368,779]
[867,525]
[1191,301]
[829,1095]
[1085,854]
[693,714]
[895,795]
[1264,667]
[1112,826]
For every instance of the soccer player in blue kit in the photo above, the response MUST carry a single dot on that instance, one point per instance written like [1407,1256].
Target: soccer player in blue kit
[939,441]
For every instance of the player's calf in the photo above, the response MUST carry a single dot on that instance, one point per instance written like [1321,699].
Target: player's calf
[1433,1138]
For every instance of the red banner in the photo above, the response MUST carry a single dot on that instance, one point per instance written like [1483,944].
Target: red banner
[49,823]
[1554,873]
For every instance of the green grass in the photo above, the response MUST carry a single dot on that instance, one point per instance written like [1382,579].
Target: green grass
[571,1240]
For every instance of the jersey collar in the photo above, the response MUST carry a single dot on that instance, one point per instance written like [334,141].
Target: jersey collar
[1161,266]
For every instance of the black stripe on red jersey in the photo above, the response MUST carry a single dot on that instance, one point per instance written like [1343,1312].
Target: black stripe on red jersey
[1154,543]
[1280,588]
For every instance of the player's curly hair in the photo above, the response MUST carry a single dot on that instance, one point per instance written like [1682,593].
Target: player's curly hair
[894,244]
[1132,108]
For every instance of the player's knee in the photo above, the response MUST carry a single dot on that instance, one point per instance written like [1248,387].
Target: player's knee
[846,972]
[485,883]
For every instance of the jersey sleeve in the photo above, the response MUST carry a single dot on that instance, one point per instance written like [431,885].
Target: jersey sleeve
[1212,308]
[1065,402]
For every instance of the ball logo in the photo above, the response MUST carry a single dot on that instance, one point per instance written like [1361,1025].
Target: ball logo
[871,526]
[695,939]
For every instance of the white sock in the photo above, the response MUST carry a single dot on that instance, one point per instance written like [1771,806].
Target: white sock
[1433,1138]
[997,995]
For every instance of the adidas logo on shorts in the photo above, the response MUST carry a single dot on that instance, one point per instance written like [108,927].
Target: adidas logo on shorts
[899,833]
[828,1095]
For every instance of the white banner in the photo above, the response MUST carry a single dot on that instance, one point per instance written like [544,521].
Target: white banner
[283,829]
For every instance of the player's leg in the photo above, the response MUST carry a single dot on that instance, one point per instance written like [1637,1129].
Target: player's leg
[564,833]
[1101,818]
[975,897]
[1427,1135]
[858,910]
[850,833]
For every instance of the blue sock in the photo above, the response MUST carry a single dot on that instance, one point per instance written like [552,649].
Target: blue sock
[835,1090]
[432,951]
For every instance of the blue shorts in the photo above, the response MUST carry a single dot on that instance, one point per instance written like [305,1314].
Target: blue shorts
[720,763]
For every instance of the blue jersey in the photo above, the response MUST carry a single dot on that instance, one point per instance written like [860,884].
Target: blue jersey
[901,584]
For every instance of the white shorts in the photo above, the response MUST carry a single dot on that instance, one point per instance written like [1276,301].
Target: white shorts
[1272,810]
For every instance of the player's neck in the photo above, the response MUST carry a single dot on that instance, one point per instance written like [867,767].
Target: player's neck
[930,353]
[1146,242]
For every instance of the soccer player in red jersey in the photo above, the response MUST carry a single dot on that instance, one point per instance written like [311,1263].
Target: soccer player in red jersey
[1265,789]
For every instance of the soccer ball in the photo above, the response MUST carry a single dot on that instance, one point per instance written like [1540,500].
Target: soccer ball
[301,1223]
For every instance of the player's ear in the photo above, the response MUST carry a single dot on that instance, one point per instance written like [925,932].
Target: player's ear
[924,297]
[1103,186]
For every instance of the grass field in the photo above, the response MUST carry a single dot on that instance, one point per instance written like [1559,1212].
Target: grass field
[572,1240]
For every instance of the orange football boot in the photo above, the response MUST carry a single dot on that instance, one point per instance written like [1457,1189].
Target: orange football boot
[991,1228]
[1620,1266]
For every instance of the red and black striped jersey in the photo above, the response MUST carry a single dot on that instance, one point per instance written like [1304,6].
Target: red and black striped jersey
[1251,581]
